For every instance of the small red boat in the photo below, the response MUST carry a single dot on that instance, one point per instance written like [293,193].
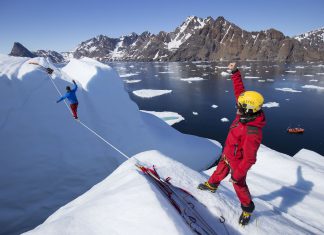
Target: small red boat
[296,130]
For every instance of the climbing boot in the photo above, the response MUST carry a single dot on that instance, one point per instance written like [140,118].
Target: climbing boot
[246,213]
[244,218]
[207,186]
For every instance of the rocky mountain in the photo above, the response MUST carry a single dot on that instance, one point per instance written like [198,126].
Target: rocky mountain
[21,51]
[206,39]
[201,39]
[313,42]
[53,55]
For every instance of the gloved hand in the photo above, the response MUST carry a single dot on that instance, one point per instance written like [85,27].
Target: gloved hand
[49,71]
[73,81]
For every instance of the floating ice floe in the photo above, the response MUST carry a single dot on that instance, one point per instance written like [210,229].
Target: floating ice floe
[251,77]
[224,119]
[195,113]
[261,80]
[320,73]
[132,66]
[193,79]
[214,106]
[308,75]
[221,67]
[270,105]
[291,71]
[170,118]
[270,80]
[132,81]
[202,66]
[205,74]
[167,72]
[128,75]
[245,67]
[299,67]
[313,80]
[149,93]
[313,87]
[287,90]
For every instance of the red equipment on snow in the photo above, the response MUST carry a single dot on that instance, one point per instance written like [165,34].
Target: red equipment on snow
[186,205]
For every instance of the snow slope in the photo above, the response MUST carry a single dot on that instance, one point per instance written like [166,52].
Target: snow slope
[66,158]
[288,193]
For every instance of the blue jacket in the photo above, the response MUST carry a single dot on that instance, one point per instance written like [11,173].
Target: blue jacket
[70,95]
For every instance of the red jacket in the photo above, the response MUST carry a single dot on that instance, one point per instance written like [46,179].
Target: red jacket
[244,139]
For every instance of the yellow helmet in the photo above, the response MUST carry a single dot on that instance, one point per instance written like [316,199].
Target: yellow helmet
[250,102]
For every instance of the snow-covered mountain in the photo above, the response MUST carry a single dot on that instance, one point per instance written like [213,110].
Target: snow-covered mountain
[185,31]
[203,39]
[313,43]
[313,38]
[54,56]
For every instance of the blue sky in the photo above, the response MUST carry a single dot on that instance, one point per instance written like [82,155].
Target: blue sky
[62,24]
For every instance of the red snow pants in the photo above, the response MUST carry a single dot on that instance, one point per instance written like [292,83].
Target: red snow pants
[74,108]
[241,188]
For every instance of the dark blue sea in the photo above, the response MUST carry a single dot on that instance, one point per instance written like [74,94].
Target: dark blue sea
[296,89]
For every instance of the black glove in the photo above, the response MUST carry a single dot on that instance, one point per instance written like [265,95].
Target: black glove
[49,71]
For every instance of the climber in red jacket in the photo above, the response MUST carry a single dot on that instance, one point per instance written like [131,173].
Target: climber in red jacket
[241,145]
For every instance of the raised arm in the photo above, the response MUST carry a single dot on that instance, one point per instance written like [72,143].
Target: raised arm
[237,80]
[75,86]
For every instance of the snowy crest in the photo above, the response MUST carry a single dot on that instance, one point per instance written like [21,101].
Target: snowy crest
[86,69]
[184,32]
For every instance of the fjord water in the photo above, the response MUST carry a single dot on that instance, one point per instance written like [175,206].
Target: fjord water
[302,108]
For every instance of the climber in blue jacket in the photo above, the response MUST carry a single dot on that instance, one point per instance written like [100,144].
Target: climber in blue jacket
[71,96]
